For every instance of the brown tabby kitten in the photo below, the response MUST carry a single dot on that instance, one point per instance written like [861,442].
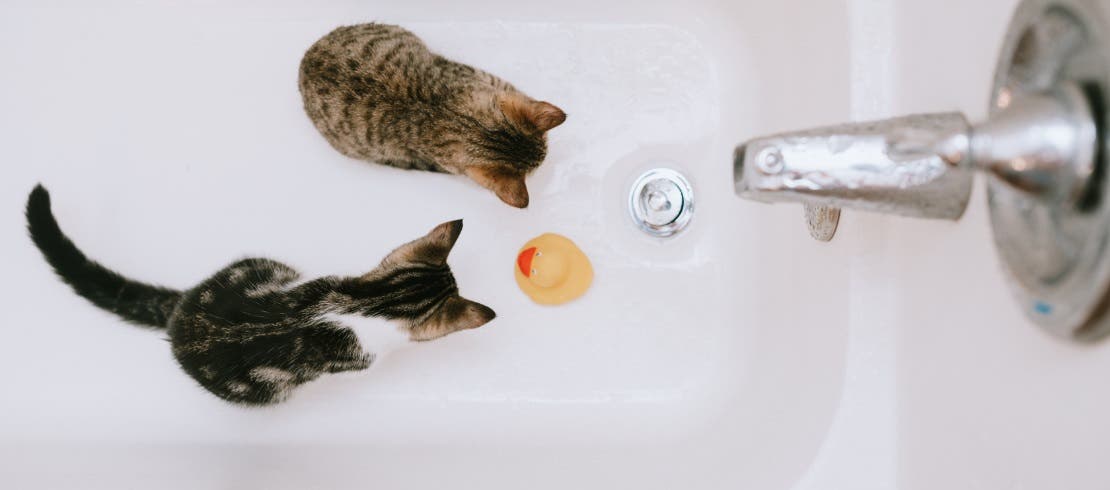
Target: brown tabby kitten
[254,330]
[377,93]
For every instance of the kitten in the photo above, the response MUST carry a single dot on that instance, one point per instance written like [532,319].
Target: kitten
[377,93]
[253,331]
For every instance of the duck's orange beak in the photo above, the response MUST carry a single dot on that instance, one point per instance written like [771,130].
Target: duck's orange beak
[524,261]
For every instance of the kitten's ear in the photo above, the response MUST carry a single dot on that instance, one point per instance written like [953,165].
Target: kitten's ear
[469,314]
[432,248]
[507,184]
[445,234]
[456,313]
[546,116]
[542,116]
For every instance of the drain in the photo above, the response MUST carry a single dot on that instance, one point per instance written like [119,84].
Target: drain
[661,202]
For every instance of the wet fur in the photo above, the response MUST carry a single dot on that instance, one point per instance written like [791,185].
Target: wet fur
[254,330]
[377,93]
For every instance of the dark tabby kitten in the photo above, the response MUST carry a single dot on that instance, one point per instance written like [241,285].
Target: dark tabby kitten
[253,331]
[377,93]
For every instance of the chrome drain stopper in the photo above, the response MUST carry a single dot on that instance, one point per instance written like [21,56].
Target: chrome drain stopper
[661,202]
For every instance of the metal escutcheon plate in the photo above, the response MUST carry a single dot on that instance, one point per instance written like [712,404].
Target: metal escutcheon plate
[1056,253]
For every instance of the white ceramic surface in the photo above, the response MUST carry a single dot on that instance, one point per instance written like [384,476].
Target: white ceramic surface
[741,354]
[172,138]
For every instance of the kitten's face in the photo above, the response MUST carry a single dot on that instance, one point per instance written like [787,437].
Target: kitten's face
[420,291]
[511,145]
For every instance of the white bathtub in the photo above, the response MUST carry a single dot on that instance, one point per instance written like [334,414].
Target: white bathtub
[740,354]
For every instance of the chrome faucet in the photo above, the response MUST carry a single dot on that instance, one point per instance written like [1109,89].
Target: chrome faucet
[1041,144]
[900,166]
[1043,149]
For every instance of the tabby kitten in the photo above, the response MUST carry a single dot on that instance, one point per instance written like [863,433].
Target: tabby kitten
[254,331]
[377,93]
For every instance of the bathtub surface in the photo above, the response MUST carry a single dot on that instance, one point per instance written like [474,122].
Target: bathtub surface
[172,138]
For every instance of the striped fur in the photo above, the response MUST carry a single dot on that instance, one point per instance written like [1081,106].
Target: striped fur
[377,93]
[254,330]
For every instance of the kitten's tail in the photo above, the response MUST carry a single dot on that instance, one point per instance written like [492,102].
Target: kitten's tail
[133,301]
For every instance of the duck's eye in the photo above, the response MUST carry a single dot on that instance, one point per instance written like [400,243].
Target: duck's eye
[533,272]
[539,254]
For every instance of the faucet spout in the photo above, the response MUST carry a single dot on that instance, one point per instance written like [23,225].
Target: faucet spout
[911,166]
[1042,145]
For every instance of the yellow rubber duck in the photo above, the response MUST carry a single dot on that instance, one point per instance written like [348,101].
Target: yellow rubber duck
[552,270]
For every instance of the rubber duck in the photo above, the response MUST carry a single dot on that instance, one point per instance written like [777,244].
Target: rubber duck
[552,270]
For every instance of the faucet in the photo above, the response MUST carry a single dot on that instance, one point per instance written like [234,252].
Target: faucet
[1043,149]
[922,165]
